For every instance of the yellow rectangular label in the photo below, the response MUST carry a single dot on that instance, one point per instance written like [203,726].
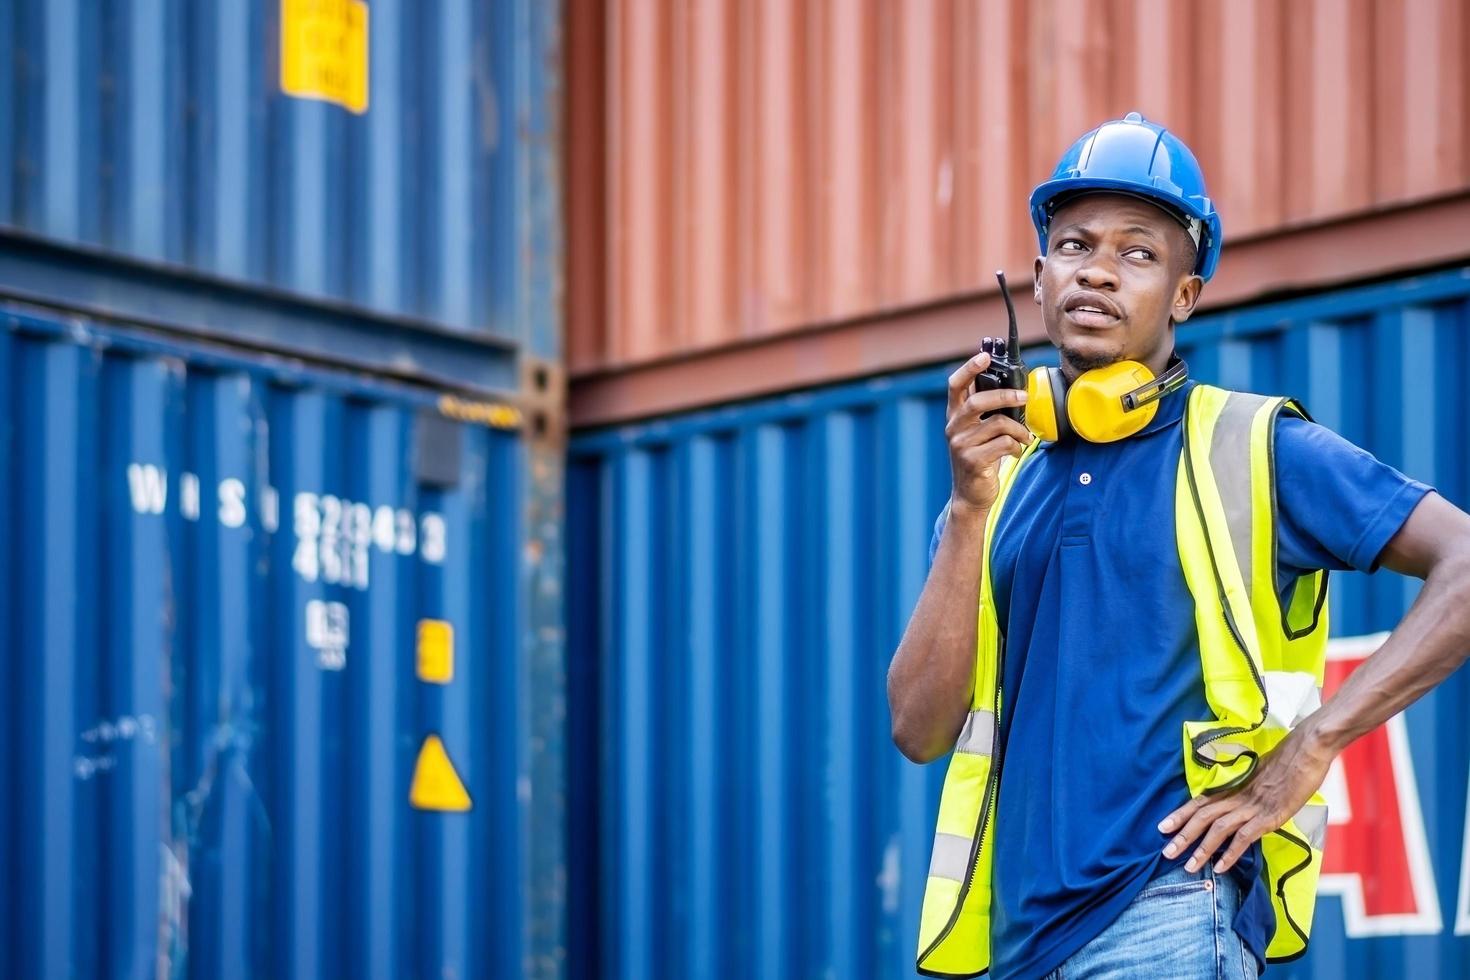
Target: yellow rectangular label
[324,51]
[436,651]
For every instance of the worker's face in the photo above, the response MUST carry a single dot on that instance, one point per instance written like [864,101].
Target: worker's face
[1113,278]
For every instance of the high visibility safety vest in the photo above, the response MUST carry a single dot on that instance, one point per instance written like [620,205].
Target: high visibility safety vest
[1263,665]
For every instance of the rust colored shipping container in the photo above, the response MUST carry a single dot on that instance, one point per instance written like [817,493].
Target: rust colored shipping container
[771,170]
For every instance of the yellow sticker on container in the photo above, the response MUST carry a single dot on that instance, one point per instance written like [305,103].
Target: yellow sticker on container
[436,785]
[436,651]
[324,51]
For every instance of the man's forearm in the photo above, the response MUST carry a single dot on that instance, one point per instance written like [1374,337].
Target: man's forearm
[931,677]
[1429,643]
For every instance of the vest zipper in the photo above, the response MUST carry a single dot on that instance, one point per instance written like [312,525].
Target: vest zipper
[1260,686]
[992,784]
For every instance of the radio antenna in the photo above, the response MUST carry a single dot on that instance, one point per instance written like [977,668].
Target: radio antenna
[1005,294]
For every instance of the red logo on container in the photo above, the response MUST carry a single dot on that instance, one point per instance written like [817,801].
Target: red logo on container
[1377,858]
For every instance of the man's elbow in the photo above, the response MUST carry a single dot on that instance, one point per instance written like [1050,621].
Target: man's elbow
[913,716]
[1453,569]
[913,745]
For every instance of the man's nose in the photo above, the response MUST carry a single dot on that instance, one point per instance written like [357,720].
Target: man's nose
[1098,272]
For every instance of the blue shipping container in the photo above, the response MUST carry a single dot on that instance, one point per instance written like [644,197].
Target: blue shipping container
[146,137]
[747,571]
[215,580]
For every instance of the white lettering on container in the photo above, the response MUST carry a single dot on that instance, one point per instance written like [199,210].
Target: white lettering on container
[231,502]
[306,524]
[407,536]
[361,536]
[148,486]
[433,546]
[327,633]
[189,496]
[335,536]
[270,509]
[383,528]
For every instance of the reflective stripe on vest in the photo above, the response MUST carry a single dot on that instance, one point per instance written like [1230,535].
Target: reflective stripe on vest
[1262,667]
[954,926]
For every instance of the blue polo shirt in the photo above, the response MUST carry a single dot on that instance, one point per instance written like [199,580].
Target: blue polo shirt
[1102,666]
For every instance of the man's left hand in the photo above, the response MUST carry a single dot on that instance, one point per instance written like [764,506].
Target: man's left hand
[1283,782]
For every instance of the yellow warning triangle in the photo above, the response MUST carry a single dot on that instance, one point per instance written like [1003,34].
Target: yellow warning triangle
[436,786]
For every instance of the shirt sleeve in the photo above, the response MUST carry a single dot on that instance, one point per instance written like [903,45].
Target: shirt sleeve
[1337,504]
[938,532]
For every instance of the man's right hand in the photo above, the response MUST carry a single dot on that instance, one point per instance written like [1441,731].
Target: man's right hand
[976,444]
[931,678]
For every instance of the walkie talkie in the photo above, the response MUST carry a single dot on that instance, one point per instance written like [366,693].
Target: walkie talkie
[1006,369]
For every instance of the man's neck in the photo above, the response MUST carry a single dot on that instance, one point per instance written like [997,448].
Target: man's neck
[1158,363]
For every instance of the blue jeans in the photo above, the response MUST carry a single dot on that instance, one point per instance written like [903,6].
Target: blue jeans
[1179,926]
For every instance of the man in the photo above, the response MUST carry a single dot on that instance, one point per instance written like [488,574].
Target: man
[1079,834]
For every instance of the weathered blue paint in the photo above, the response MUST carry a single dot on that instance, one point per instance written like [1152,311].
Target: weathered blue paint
[191,787]
[744,573]
[155,135]
[537,203]
[102,288]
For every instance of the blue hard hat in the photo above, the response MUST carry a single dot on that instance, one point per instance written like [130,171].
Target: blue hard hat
[1134,156]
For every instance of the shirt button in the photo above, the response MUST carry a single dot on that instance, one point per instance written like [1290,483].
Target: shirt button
[1085,479]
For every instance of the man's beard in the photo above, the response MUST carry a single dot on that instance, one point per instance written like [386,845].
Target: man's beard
[1082,363]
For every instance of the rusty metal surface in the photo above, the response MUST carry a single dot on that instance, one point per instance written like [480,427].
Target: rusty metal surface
[771,167]
[584,162]
[1403,239]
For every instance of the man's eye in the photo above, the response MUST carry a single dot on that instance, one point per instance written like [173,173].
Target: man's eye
[1141,253]
[1070,245]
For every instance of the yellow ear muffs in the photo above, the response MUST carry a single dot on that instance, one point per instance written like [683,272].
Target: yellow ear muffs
[1096,406]
[1046,404]
[1103,405]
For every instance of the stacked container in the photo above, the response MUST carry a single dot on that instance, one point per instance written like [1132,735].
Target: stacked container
[280,479]
[792,242]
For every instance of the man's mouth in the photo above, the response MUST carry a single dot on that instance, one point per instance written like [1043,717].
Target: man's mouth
[1091,311]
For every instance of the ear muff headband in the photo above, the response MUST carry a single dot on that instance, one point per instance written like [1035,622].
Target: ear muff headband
[1172,379]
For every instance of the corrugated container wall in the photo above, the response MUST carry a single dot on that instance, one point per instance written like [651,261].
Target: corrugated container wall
[741,810]
[161,132]
[772,167]
[214,578]
[281,480]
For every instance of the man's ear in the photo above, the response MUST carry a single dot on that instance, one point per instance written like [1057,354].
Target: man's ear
[1185,298]
[1036,279]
